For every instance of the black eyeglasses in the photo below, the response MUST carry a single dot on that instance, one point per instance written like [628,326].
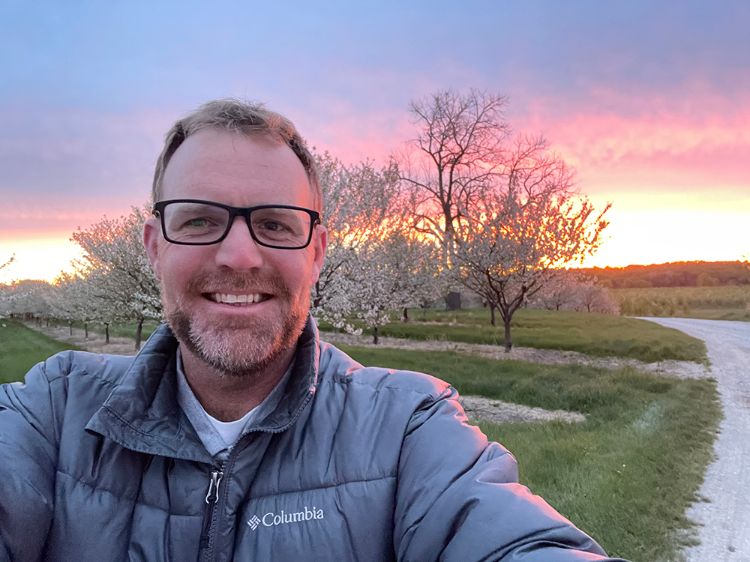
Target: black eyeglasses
[194,222]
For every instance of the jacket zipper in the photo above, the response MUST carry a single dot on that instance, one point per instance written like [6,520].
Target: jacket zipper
[212,497]
[213,486]
[212,494]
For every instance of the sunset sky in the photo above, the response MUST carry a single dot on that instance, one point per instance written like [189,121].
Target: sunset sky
[648,101]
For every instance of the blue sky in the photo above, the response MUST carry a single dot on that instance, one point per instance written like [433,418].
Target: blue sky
[648,100]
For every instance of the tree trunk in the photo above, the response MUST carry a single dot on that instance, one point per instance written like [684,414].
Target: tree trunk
[375,339]
[405,317]
[453,300]
[493,321]
[106,332]
[318,297]
[70,327]
[508,340]
[138,334]
[86,330]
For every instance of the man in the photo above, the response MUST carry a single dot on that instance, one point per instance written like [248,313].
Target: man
[236,434]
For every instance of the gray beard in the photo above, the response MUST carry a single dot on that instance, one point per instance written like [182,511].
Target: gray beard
[241,348]
[237,351]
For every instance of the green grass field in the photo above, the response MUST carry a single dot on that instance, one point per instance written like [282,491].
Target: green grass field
[593,334]
[627,474]
[712,303]
[21,348]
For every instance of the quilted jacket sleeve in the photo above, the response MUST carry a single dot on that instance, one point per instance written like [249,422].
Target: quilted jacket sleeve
[28,457]
[458,498]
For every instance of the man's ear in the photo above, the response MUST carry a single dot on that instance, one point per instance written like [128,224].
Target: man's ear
[151,236]
[319,243]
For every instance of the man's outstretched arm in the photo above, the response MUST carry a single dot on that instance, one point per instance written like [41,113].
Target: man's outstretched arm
[28,457]
[459,499]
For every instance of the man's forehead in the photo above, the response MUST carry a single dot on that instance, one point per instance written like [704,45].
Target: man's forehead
[213,162]
[213,143]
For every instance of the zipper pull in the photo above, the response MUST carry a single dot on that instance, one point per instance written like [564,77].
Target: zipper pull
[213,486]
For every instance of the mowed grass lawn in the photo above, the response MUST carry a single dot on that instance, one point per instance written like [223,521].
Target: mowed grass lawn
[593,334]
[21,348]
[627,474]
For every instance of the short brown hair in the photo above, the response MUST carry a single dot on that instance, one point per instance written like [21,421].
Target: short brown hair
[240,117]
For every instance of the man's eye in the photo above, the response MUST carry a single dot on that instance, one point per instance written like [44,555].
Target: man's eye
[272,226]
[198,222]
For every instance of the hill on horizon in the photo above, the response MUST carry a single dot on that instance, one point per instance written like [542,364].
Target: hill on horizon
[673,274]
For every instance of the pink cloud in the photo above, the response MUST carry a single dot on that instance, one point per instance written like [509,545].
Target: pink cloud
[648,144]
[353,137]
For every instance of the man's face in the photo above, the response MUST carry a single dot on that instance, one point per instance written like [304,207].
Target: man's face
[209,292]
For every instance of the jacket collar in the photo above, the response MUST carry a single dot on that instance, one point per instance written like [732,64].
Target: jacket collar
[142,412]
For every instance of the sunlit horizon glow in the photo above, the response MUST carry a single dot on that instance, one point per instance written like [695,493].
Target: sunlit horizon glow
[635,236]
[38,258]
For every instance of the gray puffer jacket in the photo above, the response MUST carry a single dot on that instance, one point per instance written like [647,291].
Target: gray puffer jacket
[99,463]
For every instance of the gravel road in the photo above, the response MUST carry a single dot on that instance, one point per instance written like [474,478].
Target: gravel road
[725,519]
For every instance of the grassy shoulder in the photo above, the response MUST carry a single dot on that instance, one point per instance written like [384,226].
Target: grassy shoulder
[627,474]
[21,348]
[593,334]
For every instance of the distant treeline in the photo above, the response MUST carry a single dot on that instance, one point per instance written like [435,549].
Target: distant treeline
[677,274]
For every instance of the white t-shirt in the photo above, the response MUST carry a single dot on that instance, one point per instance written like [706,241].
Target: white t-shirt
[230,431]
[217,436]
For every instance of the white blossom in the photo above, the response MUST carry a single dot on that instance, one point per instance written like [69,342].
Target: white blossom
[524,229]
[121,284]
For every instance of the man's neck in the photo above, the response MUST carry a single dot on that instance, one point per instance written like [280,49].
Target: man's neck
[226,397]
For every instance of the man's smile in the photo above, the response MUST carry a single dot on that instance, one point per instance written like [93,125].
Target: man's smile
[237,298]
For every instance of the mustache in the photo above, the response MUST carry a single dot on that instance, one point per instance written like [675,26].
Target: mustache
[238,282]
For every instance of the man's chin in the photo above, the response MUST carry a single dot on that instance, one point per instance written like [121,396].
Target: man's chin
[238,347]
[238,351]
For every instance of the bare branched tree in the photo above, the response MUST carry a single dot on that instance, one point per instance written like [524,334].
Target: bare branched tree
[454,157]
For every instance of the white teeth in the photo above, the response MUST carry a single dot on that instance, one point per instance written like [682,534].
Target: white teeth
[228,298]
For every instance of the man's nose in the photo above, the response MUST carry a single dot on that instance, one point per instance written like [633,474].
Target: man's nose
[238,250]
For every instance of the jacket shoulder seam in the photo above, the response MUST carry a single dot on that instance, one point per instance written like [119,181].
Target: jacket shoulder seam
[325,487]
[436,392]
[73,367]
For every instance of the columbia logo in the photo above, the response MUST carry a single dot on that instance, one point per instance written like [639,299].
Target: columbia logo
[284,518]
